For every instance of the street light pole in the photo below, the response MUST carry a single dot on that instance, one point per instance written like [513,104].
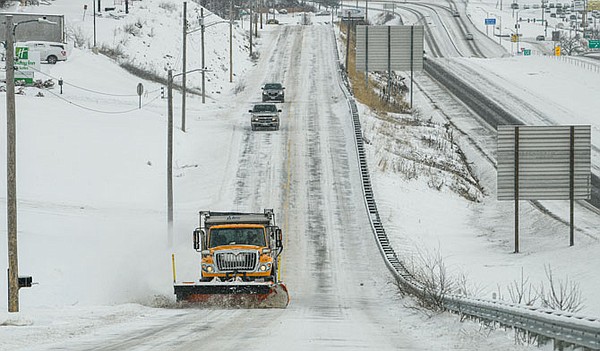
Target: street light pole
[11,170]
[11,162]
[170,77]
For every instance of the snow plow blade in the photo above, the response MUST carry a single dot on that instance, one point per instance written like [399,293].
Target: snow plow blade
[233,295]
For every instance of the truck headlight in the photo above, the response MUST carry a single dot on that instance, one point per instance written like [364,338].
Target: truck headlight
[264,267]
[208,268]
[255,119]
[274,119]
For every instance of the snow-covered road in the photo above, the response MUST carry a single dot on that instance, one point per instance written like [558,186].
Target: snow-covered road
[92,213]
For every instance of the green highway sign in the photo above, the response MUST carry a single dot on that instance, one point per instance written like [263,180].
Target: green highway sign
[594,44]
[526,52]
[25,60]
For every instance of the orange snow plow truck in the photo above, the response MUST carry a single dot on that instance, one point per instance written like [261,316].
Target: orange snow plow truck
[239,262]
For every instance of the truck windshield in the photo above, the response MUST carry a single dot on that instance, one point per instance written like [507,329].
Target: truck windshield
[273,86]
[236,236]
[265,108]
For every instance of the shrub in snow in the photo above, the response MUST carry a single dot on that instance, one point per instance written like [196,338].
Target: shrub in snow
[562,295]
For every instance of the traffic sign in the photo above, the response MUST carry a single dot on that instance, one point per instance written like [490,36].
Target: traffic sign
[526,52]
[557,51]
[490,21]
[594,44]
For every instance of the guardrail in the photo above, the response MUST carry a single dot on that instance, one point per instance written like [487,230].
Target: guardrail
[563,328]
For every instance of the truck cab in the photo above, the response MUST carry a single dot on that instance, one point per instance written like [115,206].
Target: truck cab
[239,247]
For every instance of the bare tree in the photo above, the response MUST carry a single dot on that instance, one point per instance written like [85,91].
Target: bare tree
[432,277]
[522,292]
[465,287]
[562,295]
[570,44]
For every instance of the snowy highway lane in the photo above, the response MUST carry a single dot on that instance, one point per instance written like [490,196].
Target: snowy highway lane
[307,172]
[341,293]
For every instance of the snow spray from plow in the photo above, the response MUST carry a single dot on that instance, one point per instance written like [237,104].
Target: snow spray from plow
[233,295]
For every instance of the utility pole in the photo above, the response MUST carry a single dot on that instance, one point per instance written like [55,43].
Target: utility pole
[261,8]
[202,40]
[230,42]
[11,170]
[517,26]
[183,85]
[250,31]
[347,40]
[93,5]
[170,157]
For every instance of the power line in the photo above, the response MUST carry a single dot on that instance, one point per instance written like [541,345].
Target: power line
[100,111]
[90,90]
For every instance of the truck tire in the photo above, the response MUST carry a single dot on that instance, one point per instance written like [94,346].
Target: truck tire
[52,59]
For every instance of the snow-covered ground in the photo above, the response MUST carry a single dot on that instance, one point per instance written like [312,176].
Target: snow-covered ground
[91,188]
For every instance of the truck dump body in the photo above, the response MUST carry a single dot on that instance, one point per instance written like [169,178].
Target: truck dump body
[239,262]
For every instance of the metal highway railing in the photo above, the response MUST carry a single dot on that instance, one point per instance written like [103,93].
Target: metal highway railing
[563,328]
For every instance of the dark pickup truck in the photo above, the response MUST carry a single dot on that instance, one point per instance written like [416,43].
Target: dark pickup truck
[265,116]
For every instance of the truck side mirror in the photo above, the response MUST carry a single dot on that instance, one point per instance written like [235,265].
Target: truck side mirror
[250,111]
[278,238]
[197,239]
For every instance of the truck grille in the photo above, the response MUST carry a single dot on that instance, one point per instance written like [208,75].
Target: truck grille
[236,260]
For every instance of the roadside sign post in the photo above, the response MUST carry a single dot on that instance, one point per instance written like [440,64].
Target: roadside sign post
[489,22]
[544,163]
[140,91]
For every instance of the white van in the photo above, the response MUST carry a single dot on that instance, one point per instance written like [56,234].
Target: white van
[49,51]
